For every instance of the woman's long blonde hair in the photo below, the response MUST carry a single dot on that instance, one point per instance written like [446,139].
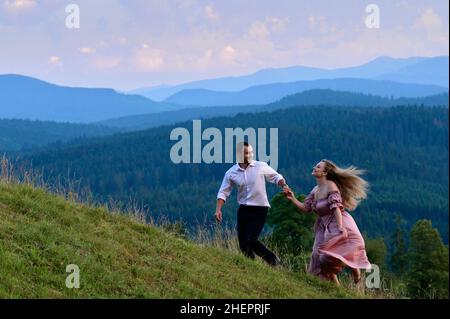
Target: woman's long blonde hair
[353,188]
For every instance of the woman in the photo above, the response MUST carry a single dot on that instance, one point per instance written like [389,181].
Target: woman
[338,242]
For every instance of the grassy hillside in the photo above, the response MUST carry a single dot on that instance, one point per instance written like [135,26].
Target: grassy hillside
[41,233]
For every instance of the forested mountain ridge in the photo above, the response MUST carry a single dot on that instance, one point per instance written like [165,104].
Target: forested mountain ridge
[269,93]
[22,135]
[308,98]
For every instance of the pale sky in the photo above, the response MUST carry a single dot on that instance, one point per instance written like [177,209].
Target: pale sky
[127,44]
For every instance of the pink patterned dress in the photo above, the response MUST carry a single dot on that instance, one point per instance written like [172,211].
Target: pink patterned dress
[333,250]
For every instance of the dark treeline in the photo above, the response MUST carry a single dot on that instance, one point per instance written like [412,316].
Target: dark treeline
[22,135]
[340,98]
[403,149]
[314,97]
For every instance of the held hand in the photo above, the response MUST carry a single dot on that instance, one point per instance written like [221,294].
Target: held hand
[288,193]
[218,215]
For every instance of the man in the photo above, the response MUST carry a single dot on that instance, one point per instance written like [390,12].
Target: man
[249,176]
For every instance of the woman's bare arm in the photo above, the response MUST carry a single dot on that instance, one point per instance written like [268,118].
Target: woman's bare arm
[338,216]
[298,204]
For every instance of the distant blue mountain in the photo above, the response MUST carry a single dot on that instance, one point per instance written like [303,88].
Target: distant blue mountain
[386,68]
[428,71]
[23,97]
[269,93]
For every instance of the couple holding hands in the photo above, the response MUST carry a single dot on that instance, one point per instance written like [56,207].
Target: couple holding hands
[338,242]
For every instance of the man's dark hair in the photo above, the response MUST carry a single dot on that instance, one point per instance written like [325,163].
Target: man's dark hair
[242,145]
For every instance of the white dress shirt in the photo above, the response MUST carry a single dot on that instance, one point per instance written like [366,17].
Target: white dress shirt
[250,183]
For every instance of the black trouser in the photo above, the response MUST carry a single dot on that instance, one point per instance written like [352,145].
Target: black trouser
[250,222]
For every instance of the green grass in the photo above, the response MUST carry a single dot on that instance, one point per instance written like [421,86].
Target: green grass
[118,257]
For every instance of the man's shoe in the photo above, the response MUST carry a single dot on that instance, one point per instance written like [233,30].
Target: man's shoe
[276,261]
